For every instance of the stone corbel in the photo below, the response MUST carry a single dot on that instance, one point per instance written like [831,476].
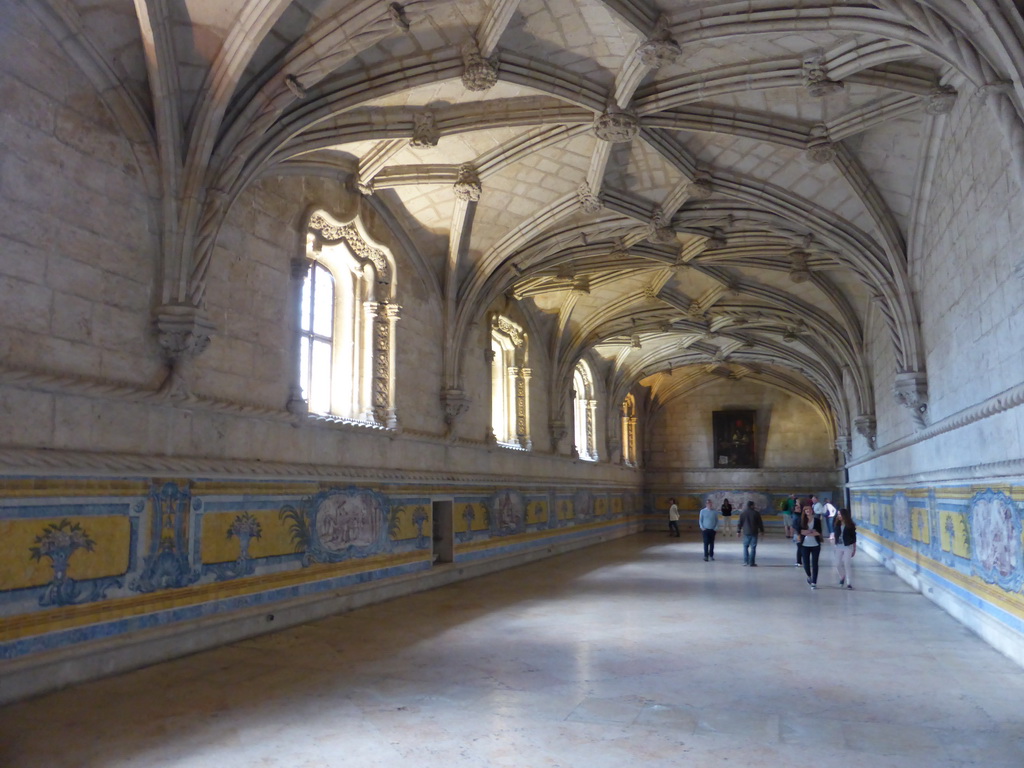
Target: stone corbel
[455,403]
[866,428]
[911,391]
[844,444]
[558,432]
[183,332]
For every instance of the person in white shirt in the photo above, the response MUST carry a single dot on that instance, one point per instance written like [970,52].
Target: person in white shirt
[829,513]
[673,518]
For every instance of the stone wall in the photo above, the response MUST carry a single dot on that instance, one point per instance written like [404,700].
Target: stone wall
[941,505]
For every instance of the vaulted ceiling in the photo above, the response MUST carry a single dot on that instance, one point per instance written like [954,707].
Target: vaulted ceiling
[688,190]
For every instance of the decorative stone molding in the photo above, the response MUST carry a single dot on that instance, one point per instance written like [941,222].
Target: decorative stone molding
[183,332]
[634,341]
[467,187]
[333,233]
[510,329]
[425,132]
[616,126]
[820,148]
[799,272]
[480,74]
[866,428]
[702,186]
[659,50]
[940,100]
[816,79]
[911,391]
[589,202]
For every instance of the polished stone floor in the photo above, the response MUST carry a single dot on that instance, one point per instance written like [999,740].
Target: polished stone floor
[634,652]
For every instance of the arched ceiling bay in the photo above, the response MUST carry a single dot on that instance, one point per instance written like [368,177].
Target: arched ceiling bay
[691,189]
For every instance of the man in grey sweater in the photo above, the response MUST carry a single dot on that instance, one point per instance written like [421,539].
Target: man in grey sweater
[708,522]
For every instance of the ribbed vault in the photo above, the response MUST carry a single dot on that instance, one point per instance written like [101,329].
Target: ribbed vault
[693,189]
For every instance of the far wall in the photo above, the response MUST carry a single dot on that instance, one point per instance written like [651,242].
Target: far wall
[794,449]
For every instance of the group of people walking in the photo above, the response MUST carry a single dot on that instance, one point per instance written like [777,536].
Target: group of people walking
[804,524]
[749,525]
[803,519]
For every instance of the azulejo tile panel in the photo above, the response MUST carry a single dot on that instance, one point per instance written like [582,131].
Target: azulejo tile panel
[976,531]
[85,559]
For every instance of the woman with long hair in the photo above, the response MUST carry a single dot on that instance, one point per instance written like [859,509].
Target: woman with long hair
[846,547]
[810,543]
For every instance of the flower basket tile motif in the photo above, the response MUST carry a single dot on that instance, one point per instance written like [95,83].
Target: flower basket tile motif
[58,542]
[995,528]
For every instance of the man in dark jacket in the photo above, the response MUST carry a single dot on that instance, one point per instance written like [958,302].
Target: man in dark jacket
[749,526]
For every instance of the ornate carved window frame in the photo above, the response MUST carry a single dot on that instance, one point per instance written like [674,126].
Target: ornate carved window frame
[510,383]
[629,452]
[366,313]
[584,412]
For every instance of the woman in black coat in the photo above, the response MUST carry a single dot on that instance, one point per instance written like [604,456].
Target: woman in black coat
[846,547]
[810,543]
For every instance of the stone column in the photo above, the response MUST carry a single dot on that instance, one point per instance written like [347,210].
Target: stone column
[384,408]
[365,385]
[523,408]
[300,270]
[592,429]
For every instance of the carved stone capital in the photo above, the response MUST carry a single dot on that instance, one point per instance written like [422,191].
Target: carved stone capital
[480,74]
[940,100]
[589,202]
[616,126]
[820,148]
[659,49]
[866,428]
[467,187]
[911,391]
[183,331]
[425,132]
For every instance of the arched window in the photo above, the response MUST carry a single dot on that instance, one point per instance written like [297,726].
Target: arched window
[584,411]
[629,431]
[347,317]
[510,390]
